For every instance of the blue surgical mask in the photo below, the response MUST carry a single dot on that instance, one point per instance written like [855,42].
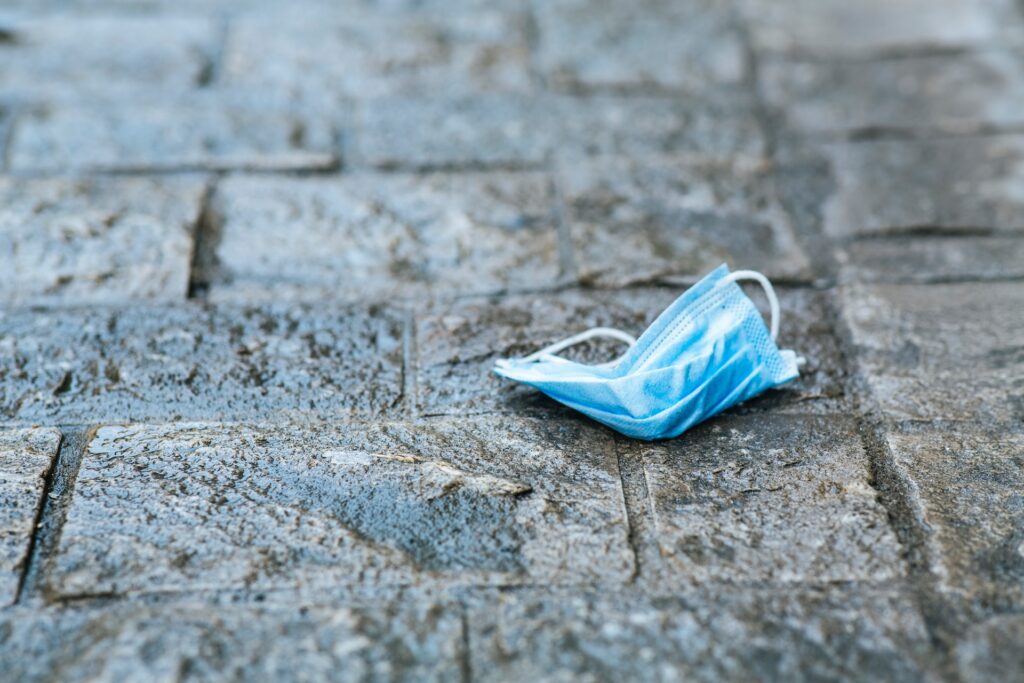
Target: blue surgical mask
[708,351]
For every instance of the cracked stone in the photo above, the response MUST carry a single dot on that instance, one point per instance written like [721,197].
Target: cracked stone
[694,48]
[26,456]
[383,236]
[952,185]
[398,641]
[642,221]
[190,362]
[714,634]
[961,92]
[879,27]
[217,132]
[942,351]
[96,241]
[932,259]
[361,54]
[970,483]
[501,501]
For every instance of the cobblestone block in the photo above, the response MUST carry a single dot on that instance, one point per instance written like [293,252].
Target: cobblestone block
[381,236]
[208,132]
[56,55]
[189,362]
[953,184]
[943,351]
[961,92]
[879,27]
[501,501]
[716,634]
[642,221]
[96,241]
[991,652]
[26,456]
[458,343]
[932,259]
[413,641]
[360,54]
[693,47]
[970,484]
[769,499]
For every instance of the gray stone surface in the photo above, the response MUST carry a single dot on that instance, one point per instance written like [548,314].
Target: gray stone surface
[499,501]
[375,236]
[205,131]
[970,484]
[458,343]
[963,184]
[692,47]
[417,641]
[359,53]
[713,634]
[59,54]
[932,259]
[642,221]
[26,456]
[82,241]
[874,27]
[944,351]
[195,362]
[767,498]
[992,650]
[950,92]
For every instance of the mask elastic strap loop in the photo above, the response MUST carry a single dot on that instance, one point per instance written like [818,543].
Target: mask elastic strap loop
[607,332]
[769,291]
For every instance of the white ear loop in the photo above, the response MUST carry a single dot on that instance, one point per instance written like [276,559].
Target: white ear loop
[607,332]
[769,291]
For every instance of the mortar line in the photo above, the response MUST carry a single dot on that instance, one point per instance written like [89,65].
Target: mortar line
[409,363]
[202,233]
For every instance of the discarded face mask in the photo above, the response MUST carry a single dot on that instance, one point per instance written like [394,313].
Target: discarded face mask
[708,351]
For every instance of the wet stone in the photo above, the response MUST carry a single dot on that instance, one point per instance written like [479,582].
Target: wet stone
[501,501]
[58,55]
[932,259]
[963,184]
[26,456]
[970,482]
[584,46]
[768,498]
[192,362]
[410,641]
[458,343]
[381,236]
[362,54]
[643,221]
[879,27]
[991,651]
[942,351]
[713,634]
[960,92]
[71,241]
[206,132]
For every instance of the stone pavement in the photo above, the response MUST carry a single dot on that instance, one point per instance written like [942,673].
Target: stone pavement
[257,259]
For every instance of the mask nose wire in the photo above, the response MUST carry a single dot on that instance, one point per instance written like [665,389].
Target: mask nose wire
[769,291]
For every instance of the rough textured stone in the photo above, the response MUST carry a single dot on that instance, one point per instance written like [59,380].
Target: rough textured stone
[642,221]
[497,501]
[874,27]
[192,362]
[360,54]
[458,343]
[971,488]
[769,499]
[56,55]
[208,131]
[958,92]
[991,652]
[383,236]
[89,241]
[414,641]
[953,184]
[693,47]
[715,634]
[944,351]
[26,456]
[932,259]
